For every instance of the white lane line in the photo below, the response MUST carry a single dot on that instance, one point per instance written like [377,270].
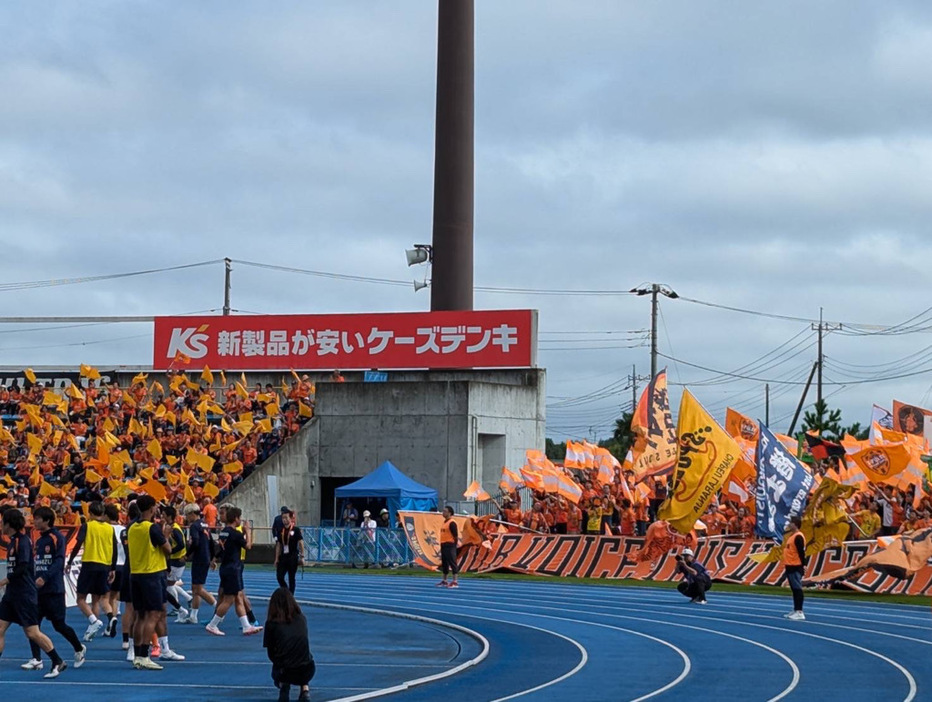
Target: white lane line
[407,684]
[687,664]
[795,674]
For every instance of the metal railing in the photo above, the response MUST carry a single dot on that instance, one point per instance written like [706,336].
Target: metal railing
[384,547]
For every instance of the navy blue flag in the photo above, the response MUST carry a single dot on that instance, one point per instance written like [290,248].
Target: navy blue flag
[783,485]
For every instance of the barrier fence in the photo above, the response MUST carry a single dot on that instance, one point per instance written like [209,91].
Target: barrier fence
[385,547]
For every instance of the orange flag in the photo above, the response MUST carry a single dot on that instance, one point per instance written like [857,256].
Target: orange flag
[155,489]
[740,426]
[475,492]
[880,463]
[655,446]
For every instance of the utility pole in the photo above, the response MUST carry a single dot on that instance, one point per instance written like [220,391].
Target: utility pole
[228,268]
[802,400]
[633,379]
[822,327]
[767,404]
[653,290]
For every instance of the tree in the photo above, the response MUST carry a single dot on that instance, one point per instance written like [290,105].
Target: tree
[622,438]
[824,421]
[555,451]
[856,430]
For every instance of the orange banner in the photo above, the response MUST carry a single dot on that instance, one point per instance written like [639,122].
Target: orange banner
[422,530]
[655,443]
[726,558]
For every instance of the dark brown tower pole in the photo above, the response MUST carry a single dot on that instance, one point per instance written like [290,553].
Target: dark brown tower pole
[452,274]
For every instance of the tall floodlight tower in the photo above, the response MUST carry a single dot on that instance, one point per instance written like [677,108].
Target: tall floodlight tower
[452,273]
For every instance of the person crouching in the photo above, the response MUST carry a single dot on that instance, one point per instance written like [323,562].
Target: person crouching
[286,642]
[696,580]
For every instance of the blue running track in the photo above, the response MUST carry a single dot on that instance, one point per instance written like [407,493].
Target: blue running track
[524,640]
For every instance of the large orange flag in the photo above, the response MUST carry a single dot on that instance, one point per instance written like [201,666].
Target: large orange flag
[881,463]
[655,446]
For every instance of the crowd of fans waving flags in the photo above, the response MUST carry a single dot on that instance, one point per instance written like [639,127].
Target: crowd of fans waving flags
[743,479]
[189,441]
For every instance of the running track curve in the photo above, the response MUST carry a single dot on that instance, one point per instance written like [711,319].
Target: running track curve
[558,641]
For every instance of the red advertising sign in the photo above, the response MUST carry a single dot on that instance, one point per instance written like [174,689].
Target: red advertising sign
[480,339]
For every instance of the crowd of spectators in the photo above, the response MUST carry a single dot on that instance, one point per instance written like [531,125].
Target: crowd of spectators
[186,441]
[628,510]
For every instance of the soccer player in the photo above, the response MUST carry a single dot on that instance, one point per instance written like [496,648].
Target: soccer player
[126,590]
[232,542]
[148,553]
[50,584]
[112,512]
[201,547]
[448,537]
[20,603]
[176,563]
[98,564]
[242,596]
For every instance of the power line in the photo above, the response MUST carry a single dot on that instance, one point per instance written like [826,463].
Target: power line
[54,282]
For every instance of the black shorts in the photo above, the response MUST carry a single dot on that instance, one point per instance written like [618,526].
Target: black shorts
[52,606]
[17,609]
[199,572]
[148,592]
[93,579]
[448,558]
[126,587]
[117,584]
[231,580]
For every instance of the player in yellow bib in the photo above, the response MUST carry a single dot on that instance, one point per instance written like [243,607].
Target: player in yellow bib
[148,563]
[98,565]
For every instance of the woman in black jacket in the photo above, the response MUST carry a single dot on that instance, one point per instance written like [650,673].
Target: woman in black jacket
[287,644]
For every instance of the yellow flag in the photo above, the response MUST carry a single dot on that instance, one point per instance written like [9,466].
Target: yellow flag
[50,399]
[34,443]
[189,494]
[241,391]
[243,427]
[207,376]
[191,384]
[116,467]
[92,476]
[223,379]
[155,449]
[89,372]
[35,478]
[139,378]
[173,478]
[157,387]
[234,467]
[66,460]
[265,425]
[47,490]
[223,425]
[147,473]
[5,434]
[172,460]
[108,425]
[111,439]
[304,410]
[8,480]
[655,443]
[177,381]
[205,462]
[705,457]
[211,489]
[171,418]
[880,463]
[74,392]
[192,457]
[129,400]
[272,409]
[30,376]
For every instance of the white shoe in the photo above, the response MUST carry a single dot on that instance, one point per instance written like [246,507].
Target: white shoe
[182,617]
[170,655]
[251,630]
[125,645]
[92,630]
[702,602]
[797,616]
[55,671]
[32,664]
[192,618]
[214,630]
[130,655]
[145,664]
[80,657]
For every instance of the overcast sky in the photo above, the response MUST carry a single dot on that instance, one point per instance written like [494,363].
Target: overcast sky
[775,157]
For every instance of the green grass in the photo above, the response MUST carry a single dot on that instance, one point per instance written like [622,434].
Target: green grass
[839,594]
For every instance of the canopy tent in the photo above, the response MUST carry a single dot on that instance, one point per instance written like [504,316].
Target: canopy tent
[399,491]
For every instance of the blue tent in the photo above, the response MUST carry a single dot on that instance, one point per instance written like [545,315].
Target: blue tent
[399,491]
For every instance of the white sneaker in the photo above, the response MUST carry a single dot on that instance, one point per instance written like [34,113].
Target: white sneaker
[32,664]
[92,630]
[797,616]
[170,655]
[125,645]
[702,602]
[182,617]
[55,671]
[146,664]
[130,655]
[80,657]
[192,618]
[251,630]
[214,630]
